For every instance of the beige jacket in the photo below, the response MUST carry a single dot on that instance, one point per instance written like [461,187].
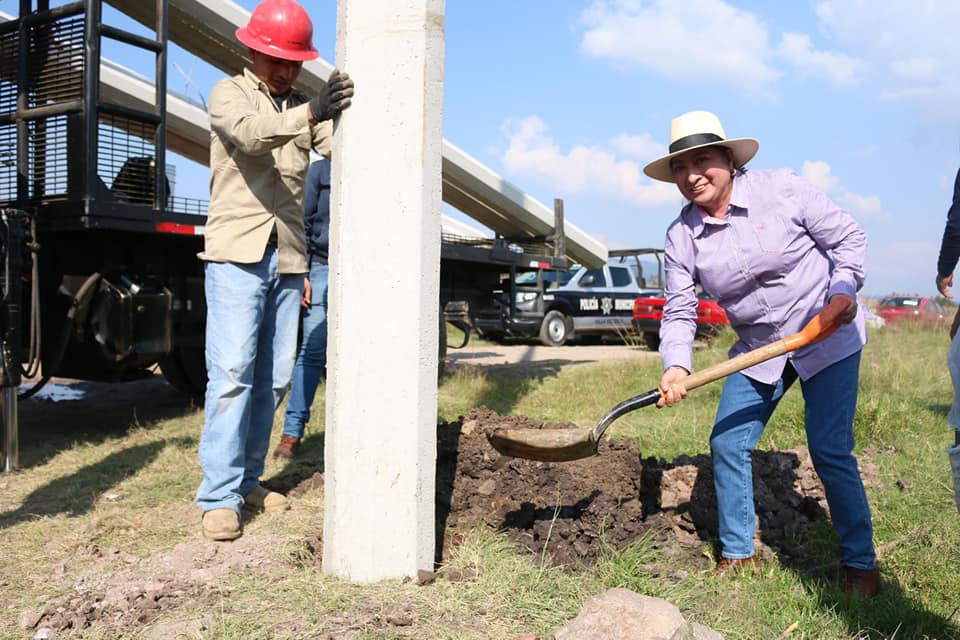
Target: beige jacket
[259,156]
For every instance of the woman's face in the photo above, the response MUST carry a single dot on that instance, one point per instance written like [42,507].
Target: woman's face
[704,177]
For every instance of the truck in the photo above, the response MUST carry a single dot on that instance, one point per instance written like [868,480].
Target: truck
[577,304]
[98,255]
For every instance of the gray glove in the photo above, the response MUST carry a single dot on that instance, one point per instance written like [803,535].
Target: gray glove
[334,98]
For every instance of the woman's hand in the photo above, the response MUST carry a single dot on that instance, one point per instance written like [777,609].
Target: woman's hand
[840,309]
[671,386]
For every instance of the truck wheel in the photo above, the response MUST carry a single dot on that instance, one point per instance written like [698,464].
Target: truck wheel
[652,340]
[555,329]
[185,368]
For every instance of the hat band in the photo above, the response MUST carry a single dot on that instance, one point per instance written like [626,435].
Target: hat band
[694,140]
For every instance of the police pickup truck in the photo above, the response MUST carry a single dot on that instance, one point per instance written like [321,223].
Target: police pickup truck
[577,304]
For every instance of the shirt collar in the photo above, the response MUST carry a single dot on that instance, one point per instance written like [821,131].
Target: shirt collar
[259,84]
[262,87]
[740,198]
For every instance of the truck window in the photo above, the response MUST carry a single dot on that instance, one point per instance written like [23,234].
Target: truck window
[620,276]
[593,278]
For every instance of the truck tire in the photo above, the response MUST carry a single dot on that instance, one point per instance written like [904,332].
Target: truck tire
[555,329]
[185,368]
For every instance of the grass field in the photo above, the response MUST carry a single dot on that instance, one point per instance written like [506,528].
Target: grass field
[99,511]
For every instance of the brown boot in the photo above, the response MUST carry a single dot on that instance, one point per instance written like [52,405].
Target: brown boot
[262,498]
[736,565]
[221,524]
[288,447]
[860,582]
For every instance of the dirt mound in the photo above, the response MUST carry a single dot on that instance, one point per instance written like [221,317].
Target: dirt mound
[124,591]
[575,509]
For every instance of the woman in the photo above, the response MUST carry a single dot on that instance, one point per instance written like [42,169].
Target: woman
[774,251]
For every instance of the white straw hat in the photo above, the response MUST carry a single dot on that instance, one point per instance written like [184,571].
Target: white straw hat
[697,129]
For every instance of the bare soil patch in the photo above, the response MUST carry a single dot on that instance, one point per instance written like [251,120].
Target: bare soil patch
[569,512]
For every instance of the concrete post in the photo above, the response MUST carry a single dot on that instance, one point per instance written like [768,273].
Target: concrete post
[380,450]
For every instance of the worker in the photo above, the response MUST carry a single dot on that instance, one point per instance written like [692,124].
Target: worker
[774,251]
[312,357]
[263,131]
[946,263]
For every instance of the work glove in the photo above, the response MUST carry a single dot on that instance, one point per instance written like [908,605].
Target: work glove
[333,98]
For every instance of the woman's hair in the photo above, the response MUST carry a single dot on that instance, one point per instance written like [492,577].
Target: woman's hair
[729,153]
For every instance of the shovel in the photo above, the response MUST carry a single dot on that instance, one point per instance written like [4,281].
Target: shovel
[561,445]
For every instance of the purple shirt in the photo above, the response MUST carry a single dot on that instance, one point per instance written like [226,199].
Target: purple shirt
[783,250]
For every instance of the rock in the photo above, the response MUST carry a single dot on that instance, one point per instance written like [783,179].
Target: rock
[28,619]
[45,633]
[402,619]
[487,487]
[621,614]
[701,632]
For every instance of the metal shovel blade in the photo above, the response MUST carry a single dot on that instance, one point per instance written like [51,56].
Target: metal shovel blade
[546,445]
[563,445]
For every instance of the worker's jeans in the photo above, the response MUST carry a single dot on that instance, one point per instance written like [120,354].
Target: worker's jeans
[252,313]
[312,359]
[953,418]
[830,403]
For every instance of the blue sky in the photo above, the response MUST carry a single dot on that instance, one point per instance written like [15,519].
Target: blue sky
[571,98]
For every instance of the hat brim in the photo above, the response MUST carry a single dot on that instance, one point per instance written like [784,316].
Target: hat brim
[743,151]
[245,37]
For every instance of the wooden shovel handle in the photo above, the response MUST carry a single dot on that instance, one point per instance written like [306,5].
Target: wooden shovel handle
[820,327]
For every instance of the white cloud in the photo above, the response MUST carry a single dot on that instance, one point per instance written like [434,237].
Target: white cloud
[581,169]
[642,147]
[840,69]
[820,174]
[904,43]
[924,69]
[691,40]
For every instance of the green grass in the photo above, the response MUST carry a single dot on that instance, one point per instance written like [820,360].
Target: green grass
[51,512]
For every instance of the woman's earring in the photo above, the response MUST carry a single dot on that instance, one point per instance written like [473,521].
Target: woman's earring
[733,173]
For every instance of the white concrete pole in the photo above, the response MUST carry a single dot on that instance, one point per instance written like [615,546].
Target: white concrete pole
[380,450]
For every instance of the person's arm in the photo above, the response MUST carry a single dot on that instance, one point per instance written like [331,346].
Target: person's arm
[836,231]
[950,244]
[679,324]
[235,118]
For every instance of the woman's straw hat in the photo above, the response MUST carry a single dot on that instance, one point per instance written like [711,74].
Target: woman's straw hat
[694,130]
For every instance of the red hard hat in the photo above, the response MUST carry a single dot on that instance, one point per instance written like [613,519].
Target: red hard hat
[280,28]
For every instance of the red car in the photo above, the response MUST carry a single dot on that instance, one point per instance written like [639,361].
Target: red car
[648,311]
[917,309]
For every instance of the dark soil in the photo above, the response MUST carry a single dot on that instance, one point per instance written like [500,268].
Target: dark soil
[577,509]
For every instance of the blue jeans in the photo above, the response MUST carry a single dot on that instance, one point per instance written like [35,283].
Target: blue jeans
[953,418]
[312,359]
[251,339]
[830,399]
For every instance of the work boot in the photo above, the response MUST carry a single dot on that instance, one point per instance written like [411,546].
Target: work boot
[265,499]
[860,582]
[736,565]
[221,524]
[288,447]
